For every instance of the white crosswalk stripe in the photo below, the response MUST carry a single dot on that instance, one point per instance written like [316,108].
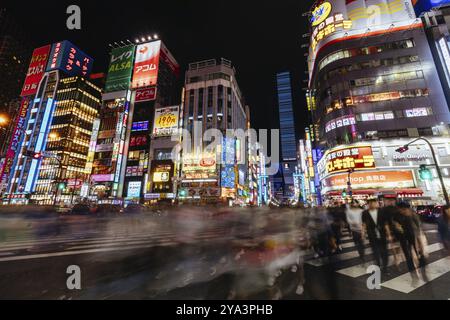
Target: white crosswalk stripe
[404,283]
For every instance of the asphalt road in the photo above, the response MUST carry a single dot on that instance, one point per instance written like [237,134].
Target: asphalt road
[194,254]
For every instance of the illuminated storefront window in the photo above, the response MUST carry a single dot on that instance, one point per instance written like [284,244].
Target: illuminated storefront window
[343,54]
[340,122]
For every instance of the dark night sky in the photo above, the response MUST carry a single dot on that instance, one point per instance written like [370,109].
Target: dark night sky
[259,37]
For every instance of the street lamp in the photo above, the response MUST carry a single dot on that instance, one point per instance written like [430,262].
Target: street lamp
[405,148]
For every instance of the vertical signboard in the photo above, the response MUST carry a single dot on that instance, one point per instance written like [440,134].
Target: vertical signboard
[120,69]
[146,65]
[15,140]
[35,71]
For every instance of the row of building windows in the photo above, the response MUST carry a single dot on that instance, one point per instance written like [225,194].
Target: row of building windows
[369,50]
[376,97]
[374,63]
[387,78]
[210,76]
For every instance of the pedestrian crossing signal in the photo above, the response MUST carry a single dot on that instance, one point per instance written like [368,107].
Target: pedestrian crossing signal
[425,173]
[344,193]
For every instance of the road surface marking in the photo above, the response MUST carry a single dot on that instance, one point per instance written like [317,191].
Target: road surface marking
[405,284]
[361,269]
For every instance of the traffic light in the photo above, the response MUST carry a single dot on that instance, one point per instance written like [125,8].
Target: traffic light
[37,155]
[183,193]
[61,186]
[344,193]
[425,173]
[402,149]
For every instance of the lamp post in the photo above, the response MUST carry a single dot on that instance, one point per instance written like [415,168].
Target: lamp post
[405,148]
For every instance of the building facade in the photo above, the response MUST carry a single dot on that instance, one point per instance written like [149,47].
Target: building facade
[213,100]
[373,86]
[141,81]
[50,146]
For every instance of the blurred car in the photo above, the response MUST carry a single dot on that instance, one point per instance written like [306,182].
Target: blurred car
[425,212]
[437,213]
[107,210]
[80,210]
[134,209]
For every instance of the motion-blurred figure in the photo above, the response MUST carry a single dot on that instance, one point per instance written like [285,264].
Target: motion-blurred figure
[376,226]
[354,219]
[407,226]
[444,227]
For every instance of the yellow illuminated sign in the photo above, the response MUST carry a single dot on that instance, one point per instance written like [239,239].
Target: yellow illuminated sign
[161,176]
[320,13]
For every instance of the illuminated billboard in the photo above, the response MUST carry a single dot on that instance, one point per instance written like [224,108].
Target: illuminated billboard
[134,189]
[35,71]
[166,121]
[120,69]
[15,140]
[370,180]
[421,6]
[343,159]
[140,126]
[68,58]
[161,173]
[146,94]
[338,20]
[204,162]
[146,65]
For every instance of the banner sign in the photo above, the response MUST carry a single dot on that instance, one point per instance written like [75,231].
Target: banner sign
[146,65]
[35,71]
[120,69]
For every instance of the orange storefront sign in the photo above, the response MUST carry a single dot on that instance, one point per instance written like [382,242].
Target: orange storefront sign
[370,180]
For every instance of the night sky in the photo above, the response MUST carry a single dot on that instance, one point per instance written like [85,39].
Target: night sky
[261,38]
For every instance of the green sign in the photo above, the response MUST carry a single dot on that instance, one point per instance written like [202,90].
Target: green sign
[120,69]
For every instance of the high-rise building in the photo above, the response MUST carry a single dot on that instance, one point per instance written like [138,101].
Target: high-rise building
[213,100]
[57,115]
[140,87]
[373,87]
[437,26]
[287,132]
[15,52]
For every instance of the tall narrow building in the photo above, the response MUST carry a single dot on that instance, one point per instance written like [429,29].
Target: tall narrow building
[287,133]
[213,100]
[141,84]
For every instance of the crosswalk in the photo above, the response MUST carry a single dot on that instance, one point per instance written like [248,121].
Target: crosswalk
[348,264]
[28,247]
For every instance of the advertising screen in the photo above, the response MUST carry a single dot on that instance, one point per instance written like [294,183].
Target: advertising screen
[161,175]
[120,69]
[36,70]
[166,121]
[68,58]
[140,126]
[421,6]
[146,65]
[134,189]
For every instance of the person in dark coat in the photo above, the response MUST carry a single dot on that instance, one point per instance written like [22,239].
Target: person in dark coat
[376,227]
[444,227]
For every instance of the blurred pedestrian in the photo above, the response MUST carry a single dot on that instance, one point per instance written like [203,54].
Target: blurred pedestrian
[354,219]
[444,227]
[390,211]
[376,227]
[407,228]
